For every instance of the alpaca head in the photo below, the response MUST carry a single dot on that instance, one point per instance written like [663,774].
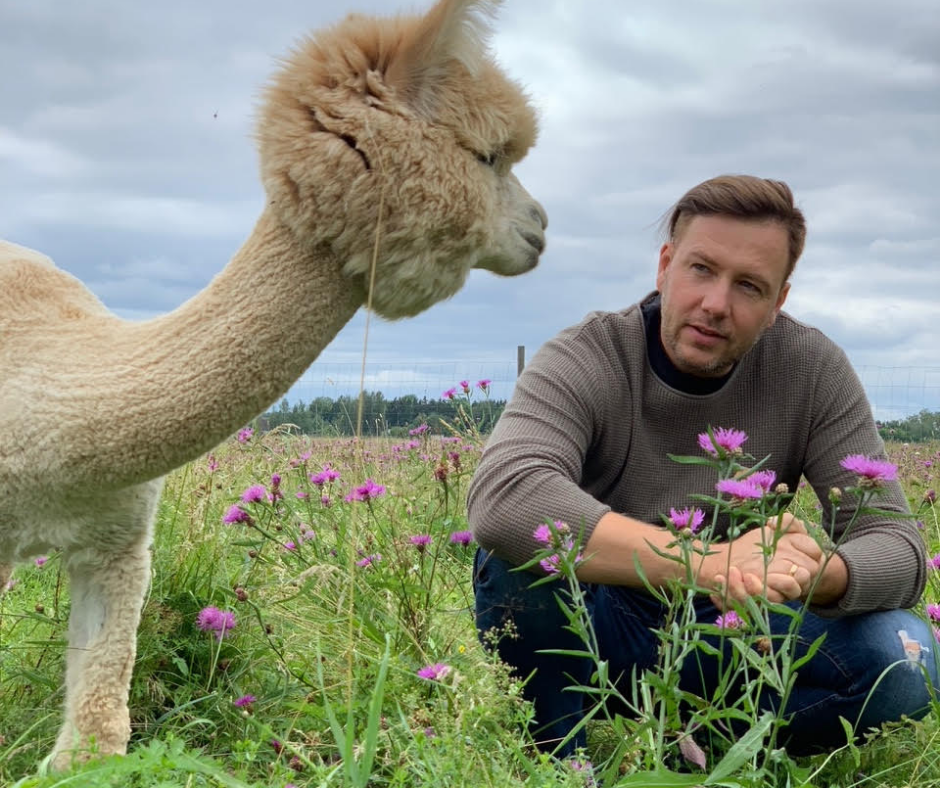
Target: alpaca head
[395,139]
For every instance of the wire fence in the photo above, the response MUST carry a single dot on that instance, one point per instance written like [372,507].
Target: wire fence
[894,392]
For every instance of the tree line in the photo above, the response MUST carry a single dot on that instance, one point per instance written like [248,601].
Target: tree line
[324,416]
[921,427]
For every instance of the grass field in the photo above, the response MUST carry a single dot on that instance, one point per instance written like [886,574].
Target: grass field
[324,636]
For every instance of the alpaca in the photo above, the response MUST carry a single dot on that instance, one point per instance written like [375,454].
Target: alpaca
[390,139]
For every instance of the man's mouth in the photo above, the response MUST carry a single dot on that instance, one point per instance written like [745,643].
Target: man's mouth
[706,331]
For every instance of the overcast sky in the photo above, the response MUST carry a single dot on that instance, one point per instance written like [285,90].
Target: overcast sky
[126,155]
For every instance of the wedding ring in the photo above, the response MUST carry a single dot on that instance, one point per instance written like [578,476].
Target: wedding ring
[793,568]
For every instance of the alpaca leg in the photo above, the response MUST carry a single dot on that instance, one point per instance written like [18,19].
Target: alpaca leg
[107,595]
[6,570]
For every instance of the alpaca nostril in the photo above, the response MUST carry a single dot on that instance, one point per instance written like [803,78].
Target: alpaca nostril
[536,240]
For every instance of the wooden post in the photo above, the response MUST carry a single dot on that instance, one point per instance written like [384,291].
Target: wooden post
[520,359]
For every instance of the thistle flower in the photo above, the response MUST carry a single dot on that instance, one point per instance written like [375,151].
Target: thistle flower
[461,537]
[220,622]
[729,620]
[40,560]
[728,440]
[254,494]
[543,534]
[435,672]
[369,560]
[366,492]
[465,385]
[236,514]
[484,385]
[451,393]
[419,430]
[871,473]
[245,434]
[328,474]
[740,489]
[763,479]
[421,541]
[244,700]
[933,611]
[687,518]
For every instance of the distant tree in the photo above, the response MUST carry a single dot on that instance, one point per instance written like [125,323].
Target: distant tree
[918,428]
[381,416]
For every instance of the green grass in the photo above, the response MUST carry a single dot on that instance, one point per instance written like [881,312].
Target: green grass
[330,649]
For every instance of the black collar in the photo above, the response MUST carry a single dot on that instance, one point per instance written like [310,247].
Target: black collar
[663,367]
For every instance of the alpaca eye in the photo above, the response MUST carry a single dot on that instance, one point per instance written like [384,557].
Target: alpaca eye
[489,159]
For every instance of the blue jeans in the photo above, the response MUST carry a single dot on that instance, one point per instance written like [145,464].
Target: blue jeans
[836,682]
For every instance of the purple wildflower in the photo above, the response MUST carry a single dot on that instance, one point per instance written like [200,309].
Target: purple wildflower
[729,620]
[871,473]
[933,611]
[543,534]
[451,393]
[420,429]
[484,384]
[461,537]
[244,700]
[465,385]
[727,440]
[211,619]
[369,560]
[763,479]
[435,672]
[687,518]
[366,492]
[236,514]
[328,474]
[934,562]
[40,560]
[740,489]
[245,435]
[254,494]
[420,540]
[212,464]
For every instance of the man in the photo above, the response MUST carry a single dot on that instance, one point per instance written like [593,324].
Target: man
[585,440]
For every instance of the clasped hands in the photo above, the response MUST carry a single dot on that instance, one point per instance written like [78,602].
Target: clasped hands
[739,569]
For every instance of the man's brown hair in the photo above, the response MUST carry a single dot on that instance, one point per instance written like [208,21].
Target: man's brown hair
[742,197]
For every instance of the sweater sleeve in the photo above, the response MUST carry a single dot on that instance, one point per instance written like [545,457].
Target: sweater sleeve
[885,555]
[533,462]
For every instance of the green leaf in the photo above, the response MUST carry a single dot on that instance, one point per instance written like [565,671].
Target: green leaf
[741,751]
[660,779]
[686,460]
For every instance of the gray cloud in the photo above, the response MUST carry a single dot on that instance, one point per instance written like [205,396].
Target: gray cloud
[126,153]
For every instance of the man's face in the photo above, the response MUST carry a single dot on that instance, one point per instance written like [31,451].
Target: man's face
[722,285]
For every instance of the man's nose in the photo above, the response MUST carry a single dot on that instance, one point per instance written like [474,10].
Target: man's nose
[716,298]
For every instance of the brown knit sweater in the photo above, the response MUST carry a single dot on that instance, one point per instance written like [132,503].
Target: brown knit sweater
[590,424]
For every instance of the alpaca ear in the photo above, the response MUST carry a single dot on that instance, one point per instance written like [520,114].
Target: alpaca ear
[453,31]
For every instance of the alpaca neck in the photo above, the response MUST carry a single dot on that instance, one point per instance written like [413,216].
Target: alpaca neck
[206,369]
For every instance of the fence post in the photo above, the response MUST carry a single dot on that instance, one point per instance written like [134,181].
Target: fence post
[520,359]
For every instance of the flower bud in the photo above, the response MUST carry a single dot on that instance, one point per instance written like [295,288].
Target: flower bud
[782,488]
[835,495]
[930,496]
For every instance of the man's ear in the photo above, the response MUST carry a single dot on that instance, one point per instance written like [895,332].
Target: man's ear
[781,300]
[665,257]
